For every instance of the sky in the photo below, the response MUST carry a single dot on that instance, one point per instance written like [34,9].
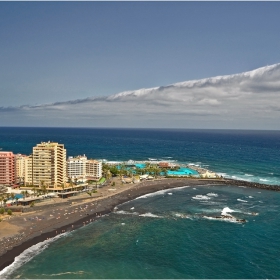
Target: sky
[66,51]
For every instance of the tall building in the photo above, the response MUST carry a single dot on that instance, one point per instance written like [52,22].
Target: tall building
[81,167]
[49,164]
[28,174]
[21,166]
[76,166]
[7,168]
[93,169]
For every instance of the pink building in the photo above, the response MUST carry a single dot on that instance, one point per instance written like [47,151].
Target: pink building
[7,168]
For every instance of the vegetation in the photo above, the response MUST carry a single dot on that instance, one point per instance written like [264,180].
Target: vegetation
[32,204]
[2,211]
[9,212]
[91,192]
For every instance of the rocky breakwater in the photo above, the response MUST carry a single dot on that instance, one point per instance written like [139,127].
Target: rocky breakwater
[252,185]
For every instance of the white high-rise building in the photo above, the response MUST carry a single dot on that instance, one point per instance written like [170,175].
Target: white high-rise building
[81,167]
[76,166]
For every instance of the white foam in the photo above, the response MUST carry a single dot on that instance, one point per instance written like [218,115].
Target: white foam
[170,193]
[212,194]
[122,212]
[250,196]
[183,216]
[229,219]
[28,255]
[264,180]
[132,208]
[161,192]
[226,211]
[240,178]
[65,273]
[238,199]
[150,215]
[201,197]
[249,175]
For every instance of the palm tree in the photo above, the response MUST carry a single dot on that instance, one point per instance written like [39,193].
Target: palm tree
[12,195]
[5,199]
[1,199]
[71,184]
[23,194]
[34,190]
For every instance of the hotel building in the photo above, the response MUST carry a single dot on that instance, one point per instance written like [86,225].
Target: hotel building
[22,168]
[81,167]
[49,164]
[76,166]
[93,169]
[7,168]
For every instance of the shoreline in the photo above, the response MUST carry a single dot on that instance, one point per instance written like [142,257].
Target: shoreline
[88,210]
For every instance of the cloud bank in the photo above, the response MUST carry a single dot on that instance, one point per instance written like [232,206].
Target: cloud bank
[249,100]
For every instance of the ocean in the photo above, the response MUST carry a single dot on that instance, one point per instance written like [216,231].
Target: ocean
[173,233]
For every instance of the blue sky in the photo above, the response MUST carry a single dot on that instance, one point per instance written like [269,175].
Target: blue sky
[60,51]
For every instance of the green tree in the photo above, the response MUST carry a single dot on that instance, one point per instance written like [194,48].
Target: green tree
[12,196]
[1,199]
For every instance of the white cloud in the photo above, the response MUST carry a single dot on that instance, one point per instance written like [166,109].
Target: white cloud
[246,100]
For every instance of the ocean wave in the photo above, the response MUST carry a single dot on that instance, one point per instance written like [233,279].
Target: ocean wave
[241,200]
[183,216]
[226,211]
[122,212]
[150,215]
[240,178]
[212,194]
[66,273]
[264,180]
[201,197]
[229,219]
[250,175]
[161,192]
[28,255]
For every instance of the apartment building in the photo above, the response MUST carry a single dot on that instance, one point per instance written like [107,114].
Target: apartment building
[49,164]
[81,167]
[93,169]
[7,168]
[21,167]
[76,166]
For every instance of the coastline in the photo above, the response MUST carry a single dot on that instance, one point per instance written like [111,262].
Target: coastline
[52,221]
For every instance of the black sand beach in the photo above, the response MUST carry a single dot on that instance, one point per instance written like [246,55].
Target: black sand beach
[51,222]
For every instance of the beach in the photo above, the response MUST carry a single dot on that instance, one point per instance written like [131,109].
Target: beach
[57,216]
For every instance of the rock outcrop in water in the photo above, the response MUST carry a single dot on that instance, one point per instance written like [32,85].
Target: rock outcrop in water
[252,185]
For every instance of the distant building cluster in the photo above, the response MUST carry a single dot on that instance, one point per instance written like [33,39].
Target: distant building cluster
[48,166]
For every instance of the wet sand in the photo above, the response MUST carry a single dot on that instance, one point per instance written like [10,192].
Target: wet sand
[62,215]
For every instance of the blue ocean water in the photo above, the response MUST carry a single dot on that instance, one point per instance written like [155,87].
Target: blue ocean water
[169,234]
[173,233]
[240,154]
